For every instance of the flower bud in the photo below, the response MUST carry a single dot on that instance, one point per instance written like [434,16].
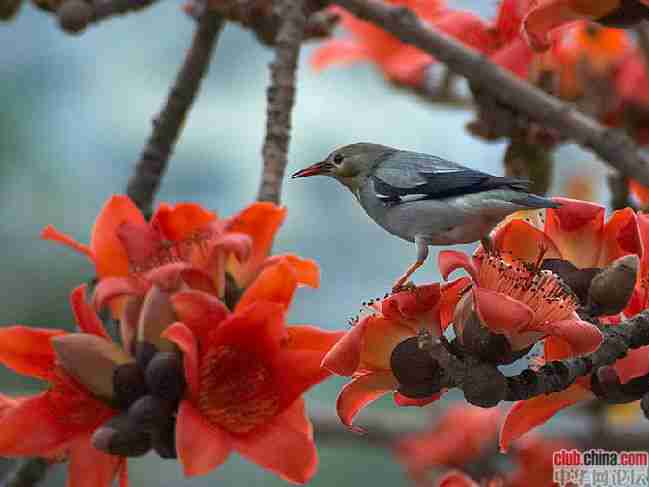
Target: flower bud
[128,384]
[418,373]
[74,16]
[150,413]
[164,440]
[484,385]
[578,280]
[156,315]
[91,360]
[611,289]
[119,436]
[165,376]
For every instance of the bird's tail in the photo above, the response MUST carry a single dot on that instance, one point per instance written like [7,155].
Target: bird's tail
[528,200]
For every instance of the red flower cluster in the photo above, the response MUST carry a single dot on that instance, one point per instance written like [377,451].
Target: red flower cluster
[167,281]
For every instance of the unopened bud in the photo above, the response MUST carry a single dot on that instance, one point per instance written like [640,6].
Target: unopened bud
[74,16]
[418,373]
[156,315]
[164,441]
[578,280]
[128,384]
[9,8]
[611,289]
[144,352]
[484,385]
[150,413]
[119,436]
[91,360]
[165,376]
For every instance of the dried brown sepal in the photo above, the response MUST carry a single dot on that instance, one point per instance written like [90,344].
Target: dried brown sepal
[484,385]
[611,289]
[91,360]
[156,315]
[74,16]
[164,441]
[165,376]
[119,436]
[578,280]
[419,375]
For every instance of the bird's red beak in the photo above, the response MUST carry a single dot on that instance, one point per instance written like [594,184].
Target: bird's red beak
[316,169]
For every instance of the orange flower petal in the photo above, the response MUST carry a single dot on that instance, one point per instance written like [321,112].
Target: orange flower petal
[201,447]
[635,364]
[261,221]
[501,313]
[456,478]
[179,222]
[518,240]
[307,271]
[451,295]
[576,228]
[201,312]
[526,415]
[621,236]
[582,337]
[199,280]
[237,244]
[275,284]
[450,260]
[109,289]
[307,337]
[87,319]
[380,338]
[639,191]
[403,401]
[111,258]
[186,341]
[51,233]
[360,392]
[89,466]
[285,446]
[345,356]
[341,52]
[28,350]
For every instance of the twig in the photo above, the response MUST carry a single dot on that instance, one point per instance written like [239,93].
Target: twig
[614,147]
[167,125]
[619,187]
[28,473]
[280,97]
[103,9]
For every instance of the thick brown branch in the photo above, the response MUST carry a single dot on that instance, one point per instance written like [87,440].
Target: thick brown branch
[617,149]
[280,97]
[28,473]
[167,125]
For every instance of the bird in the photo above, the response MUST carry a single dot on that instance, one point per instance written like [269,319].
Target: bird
[423,198]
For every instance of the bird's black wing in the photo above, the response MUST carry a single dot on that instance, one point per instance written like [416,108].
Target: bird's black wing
[404,174]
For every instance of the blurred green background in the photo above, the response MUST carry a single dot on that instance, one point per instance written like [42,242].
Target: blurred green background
[74,115]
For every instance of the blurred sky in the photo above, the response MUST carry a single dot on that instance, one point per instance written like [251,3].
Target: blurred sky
[74,115]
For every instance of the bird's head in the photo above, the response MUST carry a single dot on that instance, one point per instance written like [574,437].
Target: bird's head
[349,164]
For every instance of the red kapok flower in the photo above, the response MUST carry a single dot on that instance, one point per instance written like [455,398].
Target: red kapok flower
[521,302]
[462,434]
[246,372]
[365,352]
[60,421]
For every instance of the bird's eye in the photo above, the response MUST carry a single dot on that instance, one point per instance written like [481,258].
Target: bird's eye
[338,158]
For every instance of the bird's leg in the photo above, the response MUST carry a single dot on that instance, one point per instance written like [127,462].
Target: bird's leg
[422,254]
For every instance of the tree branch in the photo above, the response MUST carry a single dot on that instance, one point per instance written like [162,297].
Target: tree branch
[613,146]
[281,96]
[103,9]
[28,473]
[167,125]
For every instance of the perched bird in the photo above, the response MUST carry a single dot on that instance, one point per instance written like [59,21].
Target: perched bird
[423,198]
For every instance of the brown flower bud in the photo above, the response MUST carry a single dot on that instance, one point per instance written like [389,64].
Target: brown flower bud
[150,413]
[74,16]
[156,315]
[165,376]
[164,440]
[144,352]
[91,360]
[484,385]
[128,384]
[418,373]
[9,8]
[119,436]
[611,289]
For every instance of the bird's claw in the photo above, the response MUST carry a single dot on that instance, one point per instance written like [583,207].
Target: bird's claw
[406,286]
